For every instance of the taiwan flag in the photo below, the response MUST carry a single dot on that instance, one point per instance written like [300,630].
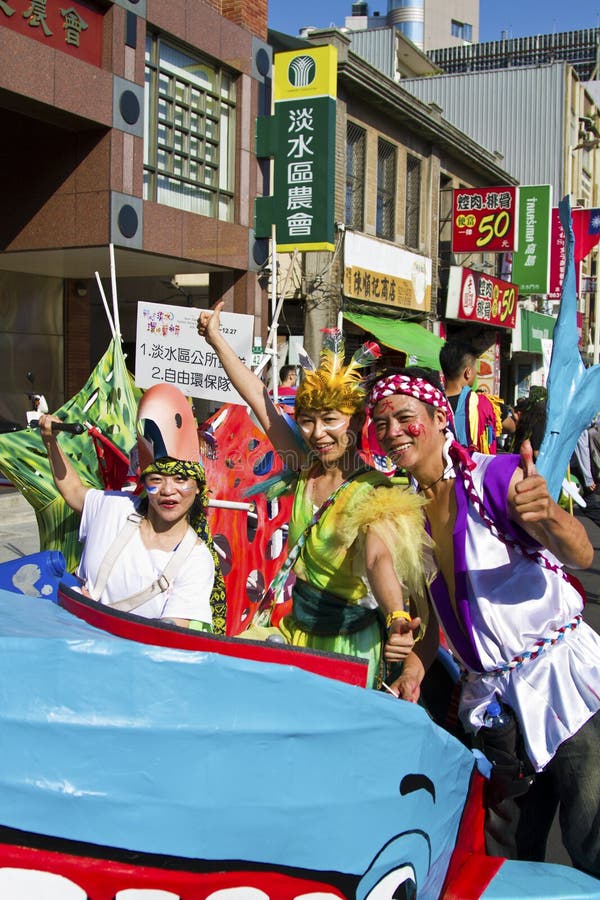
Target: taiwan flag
[586,227]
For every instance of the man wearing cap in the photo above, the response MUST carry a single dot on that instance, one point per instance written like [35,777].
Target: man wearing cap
[511,615]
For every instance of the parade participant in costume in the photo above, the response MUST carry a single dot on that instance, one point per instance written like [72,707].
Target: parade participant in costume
[355,540]
[153,554]
[512,617]
[475,421]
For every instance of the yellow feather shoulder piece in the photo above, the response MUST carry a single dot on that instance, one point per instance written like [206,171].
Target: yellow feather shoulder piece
[395,514]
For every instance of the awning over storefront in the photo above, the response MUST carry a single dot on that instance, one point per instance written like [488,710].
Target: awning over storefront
[421,346]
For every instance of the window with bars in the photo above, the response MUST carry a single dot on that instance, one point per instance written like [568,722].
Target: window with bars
[413,201]
[355,176]
[189,140]
[386,189]
[445,208]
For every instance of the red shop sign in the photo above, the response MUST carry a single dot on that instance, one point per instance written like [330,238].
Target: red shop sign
[484,220]
[74,27]
[476,297]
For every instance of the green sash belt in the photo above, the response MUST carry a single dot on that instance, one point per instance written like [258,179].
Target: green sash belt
[323,613]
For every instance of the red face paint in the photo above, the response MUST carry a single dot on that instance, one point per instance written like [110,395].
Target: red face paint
[415,429]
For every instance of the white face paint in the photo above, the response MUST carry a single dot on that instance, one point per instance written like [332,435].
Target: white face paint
[326,431]
[331,421]
[154,483]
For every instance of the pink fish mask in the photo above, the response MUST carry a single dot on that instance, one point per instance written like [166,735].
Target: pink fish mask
[166,426]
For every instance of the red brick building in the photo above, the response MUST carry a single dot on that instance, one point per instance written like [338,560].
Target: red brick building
[128,122]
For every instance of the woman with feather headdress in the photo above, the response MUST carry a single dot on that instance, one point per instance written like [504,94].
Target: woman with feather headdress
[356,537]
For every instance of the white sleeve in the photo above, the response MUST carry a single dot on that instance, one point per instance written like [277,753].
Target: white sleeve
[189,595]
[91,506]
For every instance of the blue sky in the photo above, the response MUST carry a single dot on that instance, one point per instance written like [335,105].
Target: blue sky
[517,17]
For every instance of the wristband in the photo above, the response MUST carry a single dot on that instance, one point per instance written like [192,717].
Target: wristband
[396,614]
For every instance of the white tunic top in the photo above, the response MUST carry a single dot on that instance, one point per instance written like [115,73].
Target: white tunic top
[188,597]
[508,601]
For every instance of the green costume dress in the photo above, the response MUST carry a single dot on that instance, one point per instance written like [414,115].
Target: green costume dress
[333,609]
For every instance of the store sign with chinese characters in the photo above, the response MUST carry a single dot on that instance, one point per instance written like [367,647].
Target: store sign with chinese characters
[74,28]
[476,297]
[531,262]
[378,272]
[300,136]
[169,350]
[558,256]
[484,220]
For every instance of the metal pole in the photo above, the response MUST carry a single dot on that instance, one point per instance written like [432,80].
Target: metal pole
[596,353]
[274,315]
[272,335]
[230,504]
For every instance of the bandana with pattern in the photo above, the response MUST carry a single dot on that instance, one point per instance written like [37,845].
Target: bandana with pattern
[453,453]
[199,523]
[419,388]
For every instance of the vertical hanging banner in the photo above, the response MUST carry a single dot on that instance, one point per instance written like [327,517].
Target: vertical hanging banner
[300,137]
[558,257]
[531,262]
[484,220]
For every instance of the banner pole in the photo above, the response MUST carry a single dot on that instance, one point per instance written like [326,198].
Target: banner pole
[274,316]
[596,353]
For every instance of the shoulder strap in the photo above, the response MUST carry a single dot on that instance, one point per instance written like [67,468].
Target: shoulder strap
[270,595]
[122,540]
[131,526]
[165,579]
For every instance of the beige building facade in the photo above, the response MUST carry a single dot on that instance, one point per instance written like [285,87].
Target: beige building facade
[397,161]
[128,123]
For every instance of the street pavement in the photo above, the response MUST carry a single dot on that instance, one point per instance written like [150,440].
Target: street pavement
[19,537]
[590,578]
[18,526]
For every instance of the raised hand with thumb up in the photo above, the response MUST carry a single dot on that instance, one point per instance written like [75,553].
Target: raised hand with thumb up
[209,323]
[531,500]
[532,507]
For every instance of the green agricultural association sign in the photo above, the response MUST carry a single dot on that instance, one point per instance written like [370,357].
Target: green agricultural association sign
[300,137]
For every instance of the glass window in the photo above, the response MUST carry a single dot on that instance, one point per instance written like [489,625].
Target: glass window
[189,140]
[413,201]
[445,209]
[355,176]
[462,30]
[386,193]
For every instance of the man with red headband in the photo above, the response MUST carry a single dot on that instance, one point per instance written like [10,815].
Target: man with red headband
[512,617]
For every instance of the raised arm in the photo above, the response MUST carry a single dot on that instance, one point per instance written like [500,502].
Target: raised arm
[66,479]
[532,507]
[250,388]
